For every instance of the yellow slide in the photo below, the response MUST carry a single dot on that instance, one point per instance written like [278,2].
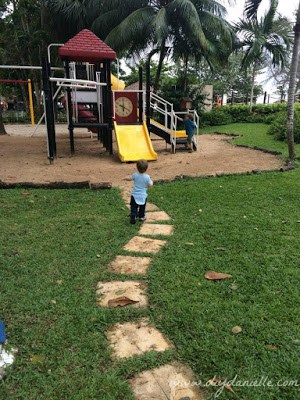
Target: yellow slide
[134,142]
[179,134]
[116,84]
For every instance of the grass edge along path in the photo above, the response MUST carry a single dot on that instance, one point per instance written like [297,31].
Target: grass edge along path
[253,135]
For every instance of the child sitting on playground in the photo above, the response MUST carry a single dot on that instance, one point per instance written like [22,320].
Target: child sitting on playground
[141,181]
[189,129]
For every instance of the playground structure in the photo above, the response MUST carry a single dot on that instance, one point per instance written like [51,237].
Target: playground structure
[96,100]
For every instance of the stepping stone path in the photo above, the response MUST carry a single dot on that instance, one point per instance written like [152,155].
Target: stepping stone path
[133,338]
[144,245]
[114,293]
[129,265]
[169,382]
[166,382]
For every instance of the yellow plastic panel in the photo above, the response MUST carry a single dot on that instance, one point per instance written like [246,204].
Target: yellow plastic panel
[134,143]
[116,83]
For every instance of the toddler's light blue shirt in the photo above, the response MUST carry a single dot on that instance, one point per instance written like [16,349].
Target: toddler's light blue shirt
[139,190]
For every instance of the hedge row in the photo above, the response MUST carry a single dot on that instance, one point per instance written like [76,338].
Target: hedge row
[265,113]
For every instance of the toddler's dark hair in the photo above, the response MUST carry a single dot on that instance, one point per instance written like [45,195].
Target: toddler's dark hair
[189,116]
[142,166]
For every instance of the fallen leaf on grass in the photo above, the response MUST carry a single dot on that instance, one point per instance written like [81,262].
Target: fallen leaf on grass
[236,329]
[53,301]
[234,287]
[121,302]
[36,358]
[214,276]
[59,282]
[189,244]
[25,194]
[272,347]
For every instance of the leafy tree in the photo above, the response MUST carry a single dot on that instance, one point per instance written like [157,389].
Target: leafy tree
[269,36]
[190,27]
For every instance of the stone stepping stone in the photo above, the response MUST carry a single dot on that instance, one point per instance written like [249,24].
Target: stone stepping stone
[130,265]
[151,207]
[157,216]
[156,229]
[144,245]
[121,294]
[135,338]
[169,382]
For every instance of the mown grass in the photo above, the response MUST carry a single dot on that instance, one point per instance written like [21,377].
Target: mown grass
[55,247]
[252,135]
[247,226]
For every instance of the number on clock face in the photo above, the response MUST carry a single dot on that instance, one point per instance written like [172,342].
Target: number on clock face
[123,106]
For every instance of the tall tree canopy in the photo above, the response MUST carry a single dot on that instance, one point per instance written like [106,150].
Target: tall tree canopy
[266,38]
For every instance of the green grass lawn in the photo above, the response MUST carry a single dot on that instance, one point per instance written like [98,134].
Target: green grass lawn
[252,135]
[247,226]
[56,245]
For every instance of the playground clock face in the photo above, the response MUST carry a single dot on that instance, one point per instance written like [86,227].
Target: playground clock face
[124,106]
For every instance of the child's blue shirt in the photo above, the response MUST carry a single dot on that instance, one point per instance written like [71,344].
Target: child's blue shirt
[189,126]
[139,190]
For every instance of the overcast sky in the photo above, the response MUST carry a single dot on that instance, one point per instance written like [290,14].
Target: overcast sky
[285,7]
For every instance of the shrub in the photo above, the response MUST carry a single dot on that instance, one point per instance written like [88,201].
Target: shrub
[278,127]
[216,117]
[264,113]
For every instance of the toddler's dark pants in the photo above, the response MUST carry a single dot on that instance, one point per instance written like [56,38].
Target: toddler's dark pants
[137,210]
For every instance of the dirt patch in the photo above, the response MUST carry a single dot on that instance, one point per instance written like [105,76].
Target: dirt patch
[24,159]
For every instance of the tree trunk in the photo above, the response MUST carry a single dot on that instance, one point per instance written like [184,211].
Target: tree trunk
[185,79]
[2,127]
[292,89]
[159,67]
[252,86]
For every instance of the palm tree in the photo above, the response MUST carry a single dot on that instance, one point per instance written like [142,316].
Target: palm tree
[268,37]
[196,24]
[292,88]
[251,7]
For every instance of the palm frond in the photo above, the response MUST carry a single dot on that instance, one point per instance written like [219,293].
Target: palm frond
[251,7]
[186,13]
[268,20]
[138,24]
[160,25]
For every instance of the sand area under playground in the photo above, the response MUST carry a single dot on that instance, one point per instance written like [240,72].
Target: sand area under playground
[23,158]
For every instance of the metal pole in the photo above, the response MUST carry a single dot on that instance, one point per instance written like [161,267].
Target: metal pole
[48,111]
[148,95]
[70,109]
[30,102]
[109,110]
[140,94]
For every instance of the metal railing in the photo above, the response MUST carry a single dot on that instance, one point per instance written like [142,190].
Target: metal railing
[165,108]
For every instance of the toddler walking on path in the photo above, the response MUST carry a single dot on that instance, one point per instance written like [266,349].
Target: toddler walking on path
[141,182]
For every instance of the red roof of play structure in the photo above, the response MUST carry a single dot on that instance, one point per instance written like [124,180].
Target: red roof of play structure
[87,47]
